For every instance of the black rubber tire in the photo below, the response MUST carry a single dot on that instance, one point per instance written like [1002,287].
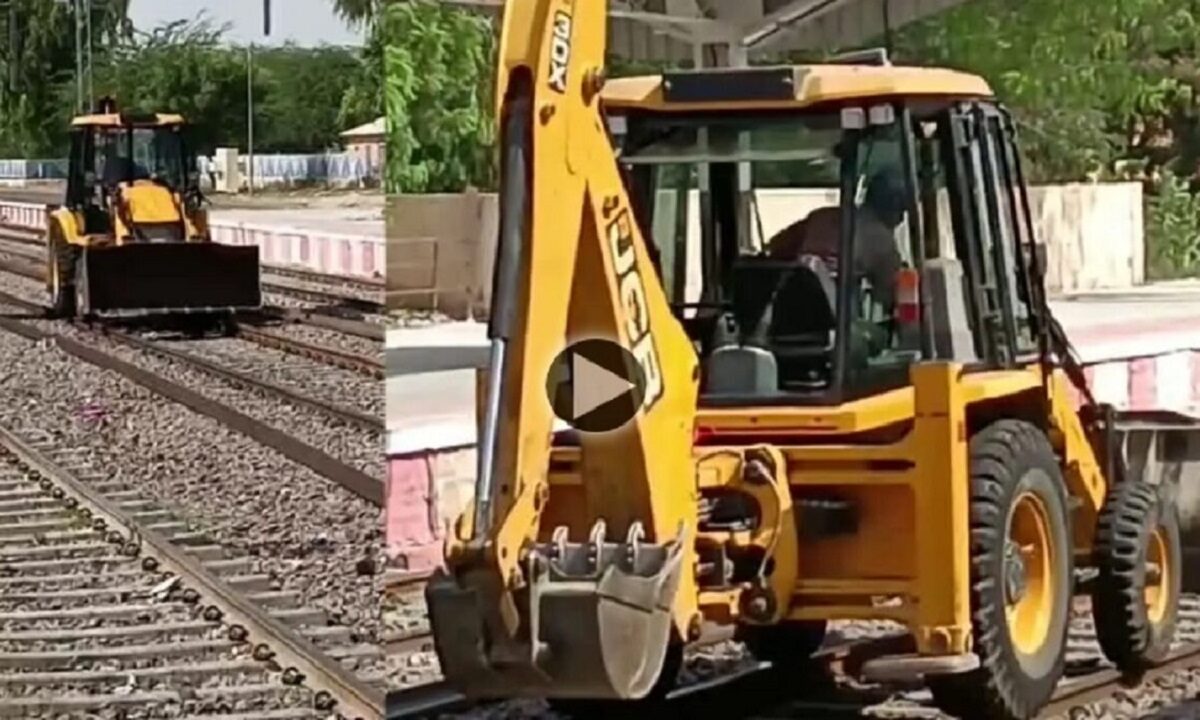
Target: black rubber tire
[1127,635]
[649,707]
[1007,459]
[81,310]
[62,305]
[786,645]
[229,325]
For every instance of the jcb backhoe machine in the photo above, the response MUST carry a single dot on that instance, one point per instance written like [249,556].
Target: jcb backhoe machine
[132,237]
[853,405]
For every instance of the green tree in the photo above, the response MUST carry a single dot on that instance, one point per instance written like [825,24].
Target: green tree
[37,59]
[358,12]
[439,68]
[303,92]
[183,67]
[1082,77]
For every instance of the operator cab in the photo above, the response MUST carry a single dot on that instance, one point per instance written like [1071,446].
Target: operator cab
[113,152]
[820,229]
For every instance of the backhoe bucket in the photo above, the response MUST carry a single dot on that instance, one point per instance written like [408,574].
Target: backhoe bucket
[595,622]
[173,277]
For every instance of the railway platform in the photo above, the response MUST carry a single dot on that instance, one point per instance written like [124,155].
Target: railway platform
[1140,348]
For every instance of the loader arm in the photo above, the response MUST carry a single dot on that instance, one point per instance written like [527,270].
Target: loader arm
[572,265]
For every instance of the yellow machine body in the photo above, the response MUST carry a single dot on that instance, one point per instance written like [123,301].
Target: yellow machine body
[133,236]
[587,560]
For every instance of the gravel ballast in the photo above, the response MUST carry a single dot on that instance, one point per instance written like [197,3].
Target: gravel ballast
[308,533]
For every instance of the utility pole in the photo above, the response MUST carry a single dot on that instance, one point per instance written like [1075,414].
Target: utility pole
[250,117]
[250,96]
[91,79]
[76,6]
[14,47]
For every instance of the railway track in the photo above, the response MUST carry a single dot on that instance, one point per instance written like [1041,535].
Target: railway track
[824,687]
[109,604]
[347,476]
[333,294]
[260,329]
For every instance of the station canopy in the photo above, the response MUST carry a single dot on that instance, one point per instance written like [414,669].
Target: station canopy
[743,30]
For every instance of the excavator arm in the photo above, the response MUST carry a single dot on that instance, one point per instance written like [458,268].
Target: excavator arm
[588,608]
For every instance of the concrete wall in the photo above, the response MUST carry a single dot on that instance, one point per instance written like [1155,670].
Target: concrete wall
[440,250]
[328,253]
[441,247]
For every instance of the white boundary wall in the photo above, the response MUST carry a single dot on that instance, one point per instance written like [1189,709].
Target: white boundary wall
[443,246]
[353,256]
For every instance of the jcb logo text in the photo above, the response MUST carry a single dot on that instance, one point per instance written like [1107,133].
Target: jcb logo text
[632,293]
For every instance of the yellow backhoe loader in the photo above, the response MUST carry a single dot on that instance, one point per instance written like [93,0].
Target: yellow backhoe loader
[132,237]
[852,401]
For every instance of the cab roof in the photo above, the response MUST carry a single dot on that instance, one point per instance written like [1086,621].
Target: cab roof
[128,120]
[781,87]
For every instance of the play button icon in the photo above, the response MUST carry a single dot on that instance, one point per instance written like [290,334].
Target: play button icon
[595,386]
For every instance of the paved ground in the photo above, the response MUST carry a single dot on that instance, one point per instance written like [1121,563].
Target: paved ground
[349,221]
[1107,325]
[315,198]
[336,212]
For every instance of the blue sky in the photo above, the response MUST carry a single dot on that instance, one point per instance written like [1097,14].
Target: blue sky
[306,22]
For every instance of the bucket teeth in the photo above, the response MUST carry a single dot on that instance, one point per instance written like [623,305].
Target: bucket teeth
[596,619]
[564,559]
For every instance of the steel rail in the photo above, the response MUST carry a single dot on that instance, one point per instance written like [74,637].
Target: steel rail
[19,235]
[759,684]
[370,367]
[763,684]
[328,297]
[1103,684]
[366,284]
[357,328]
[356,481]
[347,415]
[316,670]
[339,412]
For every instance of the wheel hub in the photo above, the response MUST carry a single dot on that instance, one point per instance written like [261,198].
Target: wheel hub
[1014,573]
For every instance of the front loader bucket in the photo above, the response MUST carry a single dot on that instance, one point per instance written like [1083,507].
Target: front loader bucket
[595,622]
[173,277]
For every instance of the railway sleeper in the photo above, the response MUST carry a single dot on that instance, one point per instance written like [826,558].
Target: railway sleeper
[191,539]
[168,528]
[32,567]
[77,551]
[66,659]
[180,671]
[80,596]
[275,598]
[280,714]
[235,566]
[66,535]
[134,505]
[113,575]
[32,527]
[256,582]
[206,553]
[9,517]
[146,517]
[74,703]
[126,632]
[95,612]
[19,491]
[38,502]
